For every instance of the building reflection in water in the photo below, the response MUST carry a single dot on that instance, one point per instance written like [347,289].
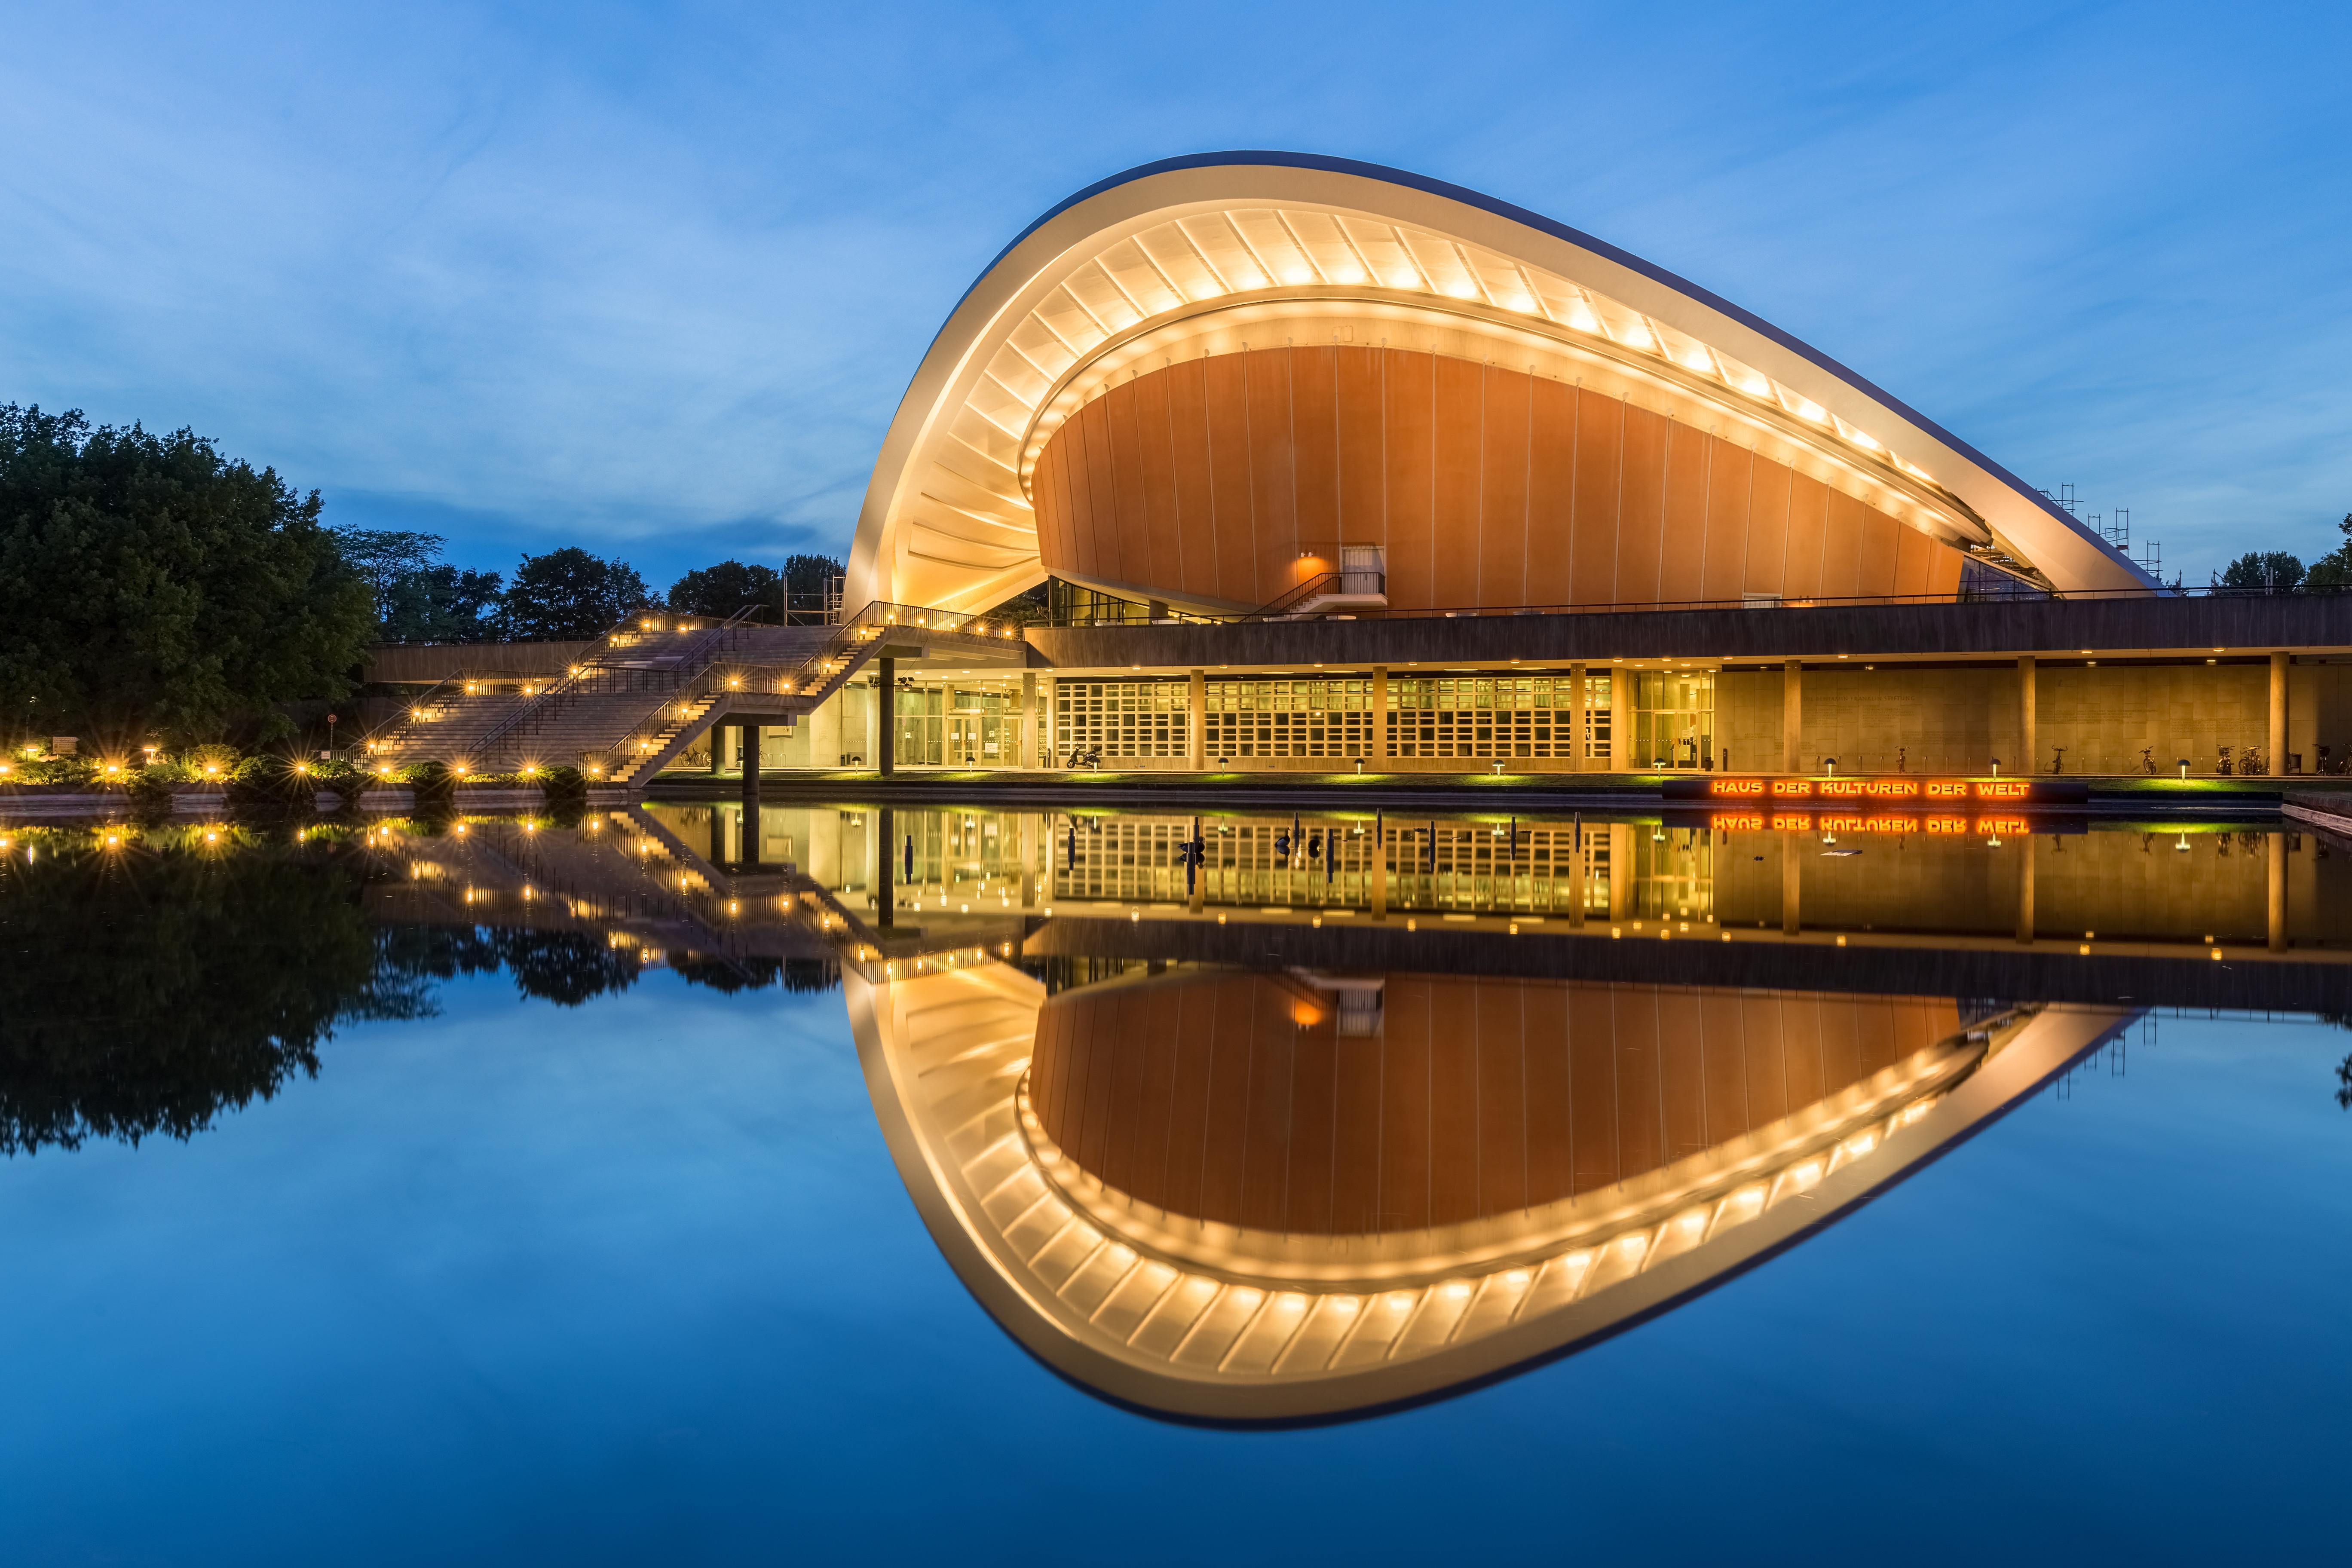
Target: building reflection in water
[1335,1131]
[1295,1196]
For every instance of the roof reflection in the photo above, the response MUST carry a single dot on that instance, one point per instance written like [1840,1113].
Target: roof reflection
[1280,1198]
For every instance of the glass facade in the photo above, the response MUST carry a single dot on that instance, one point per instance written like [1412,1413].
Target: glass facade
[1673,721]
[953,727]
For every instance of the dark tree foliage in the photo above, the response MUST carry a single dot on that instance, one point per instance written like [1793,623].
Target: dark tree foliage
[565,967]
[569,596]
[2262,572]
[808,583]
[728,976]
[150,584]
[144,994]
[420,598]
[723,589]
[2332,573]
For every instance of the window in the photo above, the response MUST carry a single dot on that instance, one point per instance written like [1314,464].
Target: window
[1123,717]
[1289,717]
[1496,716]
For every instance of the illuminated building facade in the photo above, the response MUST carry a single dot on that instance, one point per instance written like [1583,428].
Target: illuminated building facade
[1326,465]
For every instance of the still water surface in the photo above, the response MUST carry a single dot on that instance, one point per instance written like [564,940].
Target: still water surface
[630,1190]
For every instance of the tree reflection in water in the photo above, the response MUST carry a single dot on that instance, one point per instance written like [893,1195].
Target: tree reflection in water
[149,981]
[148,986]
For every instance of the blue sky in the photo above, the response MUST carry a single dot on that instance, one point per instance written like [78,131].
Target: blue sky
[652,279]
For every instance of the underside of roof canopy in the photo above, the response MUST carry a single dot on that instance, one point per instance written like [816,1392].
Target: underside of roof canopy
[1184,260]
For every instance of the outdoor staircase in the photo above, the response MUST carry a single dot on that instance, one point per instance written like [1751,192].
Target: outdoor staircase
[648,690]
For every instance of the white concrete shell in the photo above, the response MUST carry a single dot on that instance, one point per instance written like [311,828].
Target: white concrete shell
[1175,255]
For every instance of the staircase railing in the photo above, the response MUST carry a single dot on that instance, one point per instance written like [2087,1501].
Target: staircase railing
[681,666]
[816,677]
[1349,582]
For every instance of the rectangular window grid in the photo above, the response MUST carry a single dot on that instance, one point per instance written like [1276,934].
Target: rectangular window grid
[1496,716]
[1289,717]
[1123,717]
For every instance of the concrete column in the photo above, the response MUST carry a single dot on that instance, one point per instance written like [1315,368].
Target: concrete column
[885,718]
[1579,717]
[1026,757]
[885,867]
[1793,846]
[2027,739]
[1620,857]
[2276,910]
[750,783]
[1029,850]
[1793,718]
[1621,734]
[717,835]
[1576,860]
[1381,837]
[2025,858]
[1378,760]
[722,748]
[1197,697]
[2278,714]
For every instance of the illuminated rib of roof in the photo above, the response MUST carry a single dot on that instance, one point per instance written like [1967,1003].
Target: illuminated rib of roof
[1194,255]
[1184,1321]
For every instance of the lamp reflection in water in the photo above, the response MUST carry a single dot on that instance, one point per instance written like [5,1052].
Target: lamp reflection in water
[1245,1198]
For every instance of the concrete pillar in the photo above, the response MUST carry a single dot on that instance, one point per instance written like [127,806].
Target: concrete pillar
[1620,857]
[1793,718]
[717,834]
[1576,860]
[1794,846]
[2028,740]
[1381,872]
[1621,732]
[722,748]
[2025,858]
[1579,717]
[1378,760]
[2278,714]
[1026,756]
[1029,855]
[885,865]
[885,718]
[2276,910]
[1197,698]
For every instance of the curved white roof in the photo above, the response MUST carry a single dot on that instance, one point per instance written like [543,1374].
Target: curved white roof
[1186,249]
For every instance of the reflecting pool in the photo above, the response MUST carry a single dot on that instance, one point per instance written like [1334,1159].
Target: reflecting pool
[539,1189]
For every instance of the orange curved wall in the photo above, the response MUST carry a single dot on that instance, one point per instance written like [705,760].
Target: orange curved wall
[1486,487]
[1234,1099]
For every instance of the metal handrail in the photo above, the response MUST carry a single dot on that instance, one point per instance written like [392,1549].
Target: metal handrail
[567,689]
[1343,581]
[1759,602]
[838,658]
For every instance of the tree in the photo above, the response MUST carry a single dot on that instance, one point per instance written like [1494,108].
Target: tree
[569,596]
[2262,572]
[808,586]
[145,993]
[148,584]
[2333,572]
[444,604]
[419,598]
[723,589]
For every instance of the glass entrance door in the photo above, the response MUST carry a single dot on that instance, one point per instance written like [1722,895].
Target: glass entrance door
[1673,721]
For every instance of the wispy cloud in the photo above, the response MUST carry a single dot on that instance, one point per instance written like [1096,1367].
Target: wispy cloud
[654,280]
